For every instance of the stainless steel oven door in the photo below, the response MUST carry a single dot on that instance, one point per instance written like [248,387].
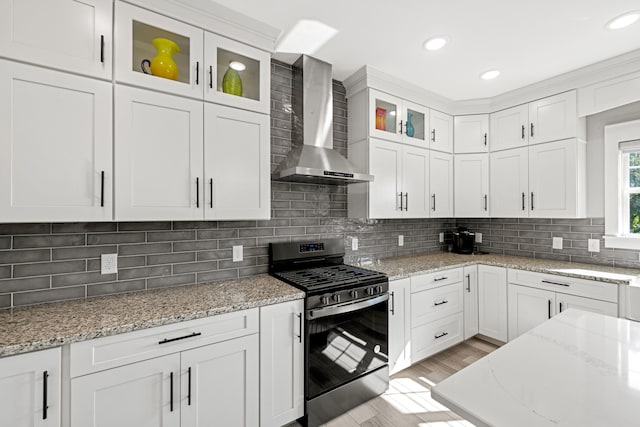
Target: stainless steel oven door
[344,342]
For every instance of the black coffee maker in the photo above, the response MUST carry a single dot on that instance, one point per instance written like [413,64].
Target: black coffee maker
[463,241]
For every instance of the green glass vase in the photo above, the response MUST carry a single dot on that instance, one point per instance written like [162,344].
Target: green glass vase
[232,83]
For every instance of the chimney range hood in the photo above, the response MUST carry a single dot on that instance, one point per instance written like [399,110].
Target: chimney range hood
[312,158]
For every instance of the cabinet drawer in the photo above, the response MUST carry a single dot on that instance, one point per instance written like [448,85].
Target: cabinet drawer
[567,285]
[437,279]
[435,336]
[117,350]
[433,304]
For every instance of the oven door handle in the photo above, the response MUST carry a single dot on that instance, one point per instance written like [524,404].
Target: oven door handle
[345,308]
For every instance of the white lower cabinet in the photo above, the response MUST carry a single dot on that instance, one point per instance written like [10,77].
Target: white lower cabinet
[281,363]
[30,389]
[528,307]
[399,325]
[470,292]
[492,302]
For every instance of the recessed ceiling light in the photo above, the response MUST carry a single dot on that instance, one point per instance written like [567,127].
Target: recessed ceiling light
[623,21]
[435,43]
[491,74]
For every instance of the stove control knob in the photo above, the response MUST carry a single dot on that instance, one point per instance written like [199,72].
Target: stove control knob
[336,297]
[370,291]
[325,300]
[354,294]
[379,288]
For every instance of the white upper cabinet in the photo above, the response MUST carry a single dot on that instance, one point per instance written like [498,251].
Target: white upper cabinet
[510,128]
[509,180]
[384,190]
[159,156]
[69,35]
[415,182]
[398,120]
[236,74]
[416,124]
[236,164]
[471,133]
[55,146]
[140,35]
[441,135]
[553,118]
[441,181]
[471,185]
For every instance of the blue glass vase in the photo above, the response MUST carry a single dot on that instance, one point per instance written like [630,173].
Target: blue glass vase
[410,129]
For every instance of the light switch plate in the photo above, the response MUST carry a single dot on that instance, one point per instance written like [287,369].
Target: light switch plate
[594,245]
[557,243]
[478,237]
[354,243]
[108,263]
[237,253]
[441,237]
[400,240]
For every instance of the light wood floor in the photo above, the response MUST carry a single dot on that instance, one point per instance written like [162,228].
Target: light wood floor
[408,401]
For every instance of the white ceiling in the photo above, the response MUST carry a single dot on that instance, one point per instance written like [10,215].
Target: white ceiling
[528,41]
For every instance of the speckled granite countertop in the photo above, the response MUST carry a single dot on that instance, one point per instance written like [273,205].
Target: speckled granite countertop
[49,325]
[397,268]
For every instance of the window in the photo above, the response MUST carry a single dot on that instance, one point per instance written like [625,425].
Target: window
[622,185]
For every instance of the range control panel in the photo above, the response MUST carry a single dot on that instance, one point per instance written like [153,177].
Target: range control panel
[311,247]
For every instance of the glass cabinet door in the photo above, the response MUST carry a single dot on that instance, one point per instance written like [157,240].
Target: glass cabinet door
[385,116]
[236,74]
[416,124]
[155,52]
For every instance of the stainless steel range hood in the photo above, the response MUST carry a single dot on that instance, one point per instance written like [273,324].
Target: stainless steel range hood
[312,158]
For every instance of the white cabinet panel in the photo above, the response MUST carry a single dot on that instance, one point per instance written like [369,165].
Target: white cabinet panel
[432,304]
[471,185]
[22,389]
[237,164]
[528,307]
[281,363]
[553,118]
[492,302]
[415,182]
[470,292]
[471,133]
[141,394]
[435,336]
[441,182]
[159,156]
[399,325]
[441,137]
[384,192]
[416,124]
[564,301]
[509,183]
[510,128]
[384,116]
[70,35]
[56,145]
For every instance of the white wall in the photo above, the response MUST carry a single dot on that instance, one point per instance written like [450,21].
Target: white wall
[595,153]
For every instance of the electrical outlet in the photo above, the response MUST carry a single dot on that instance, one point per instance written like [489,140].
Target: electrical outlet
[478,237]
[400,240]
[594,245]
[557,243]
[441,237]
[108,263]
[237,253]
[354,243]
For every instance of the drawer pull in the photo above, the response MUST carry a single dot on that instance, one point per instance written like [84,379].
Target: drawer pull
[166,340]
[556,283]
[440,303]
[437,279]
[441,335]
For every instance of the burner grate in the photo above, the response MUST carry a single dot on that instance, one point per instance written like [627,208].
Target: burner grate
[329,276]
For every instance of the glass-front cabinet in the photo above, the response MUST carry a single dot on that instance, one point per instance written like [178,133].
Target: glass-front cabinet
[156,52]
[236,74]
[395,119]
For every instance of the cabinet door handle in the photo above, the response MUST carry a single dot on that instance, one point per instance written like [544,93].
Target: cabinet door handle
[393,303]
[523,196]
[45,403]
[171,392]
[102,189]
[555,283]
[560,306]
[532,200]
[522,131]
[197,192]
[485,138]
[166,340]
[444,301]
[433,135]
[406,201]
[441,335]
[211,193]
[211,76]
[469,283]
[197,73]
[485,202]
[299,327]
[400,127]
[401,208]
[549,308]
[189,386]
[437,279]
[102,49]
[531,129]
[434,201]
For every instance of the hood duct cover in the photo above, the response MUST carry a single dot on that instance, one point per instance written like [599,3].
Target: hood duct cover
[312,158]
